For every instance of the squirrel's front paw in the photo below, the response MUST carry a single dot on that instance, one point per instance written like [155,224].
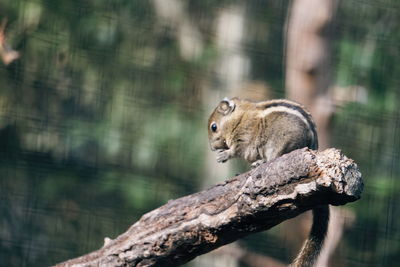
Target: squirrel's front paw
[223,155]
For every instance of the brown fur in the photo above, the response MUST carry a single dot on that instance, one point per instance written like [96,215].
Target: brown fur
[263,131]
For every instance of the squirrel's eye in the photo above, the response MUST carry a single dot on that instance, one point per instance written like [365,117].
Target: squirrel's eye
[213,127]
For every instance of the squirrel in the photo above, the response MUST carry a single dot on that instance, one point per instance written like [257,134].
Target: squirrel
[260,132]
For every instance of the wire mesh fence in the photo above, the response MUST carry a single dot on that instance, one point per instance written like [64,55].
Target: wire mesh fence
[104,105]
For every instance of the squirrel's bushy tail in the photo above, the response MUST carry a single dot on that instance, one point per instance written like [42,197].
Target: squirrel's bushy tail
[312,246]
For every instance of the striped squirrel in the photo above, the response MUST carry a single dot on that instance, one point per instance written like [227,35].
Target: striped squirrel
[260,132]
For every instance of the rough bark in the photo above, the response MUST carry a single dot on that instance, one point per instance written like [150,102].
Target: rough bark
[253,201]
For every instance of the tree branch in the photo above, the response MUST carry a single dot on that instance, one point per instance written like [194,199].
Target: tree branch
[251,202]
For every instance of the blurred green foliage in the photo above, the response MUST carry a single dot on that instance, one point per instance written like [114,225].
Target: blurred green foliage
[102,120]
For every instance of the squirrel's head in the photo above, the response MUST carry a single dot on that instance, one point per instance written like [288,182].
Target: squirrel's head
[216,123]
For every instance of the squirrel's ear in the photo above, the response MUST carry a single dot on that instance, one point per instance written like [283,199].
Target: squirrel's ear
[226,106]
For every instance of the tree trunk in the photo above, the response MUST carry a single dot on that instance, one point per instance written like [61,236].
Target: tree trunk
[309,78]
[308,59]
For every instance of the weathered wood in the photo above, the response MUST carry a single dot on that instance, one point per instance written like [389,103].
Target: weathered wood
[253,201]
